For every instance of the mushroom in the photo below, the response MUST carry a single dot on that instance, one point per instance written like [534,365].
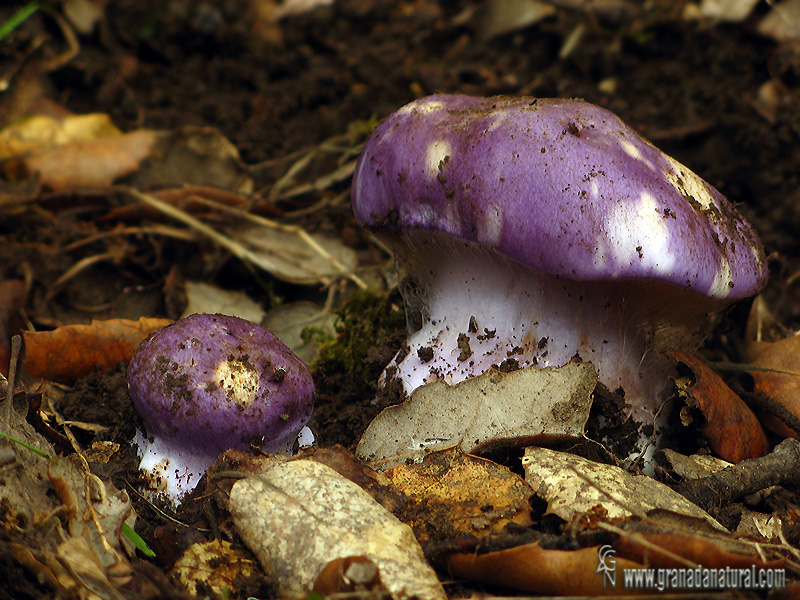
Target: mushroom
[540,231]
[209,383]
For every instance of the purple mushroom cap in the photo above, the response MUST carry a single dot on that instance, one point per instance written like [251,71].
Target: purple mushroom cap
[562,186]
[540,231]
[209,383]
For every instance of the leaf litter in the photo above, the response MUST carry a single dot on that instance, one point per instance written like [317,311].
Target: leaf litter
[203,157]
[495,408]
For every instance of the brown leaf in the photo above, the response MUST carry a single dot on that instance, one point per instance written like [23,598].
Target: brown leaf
[348,574]
[782,384]
[215,566]
[472,495]
[535,569]
[699,550]
[91,163]
[73,351]
[731,428]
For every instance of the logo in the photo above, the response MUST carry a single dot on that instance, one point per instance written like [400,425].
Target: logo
[607,565]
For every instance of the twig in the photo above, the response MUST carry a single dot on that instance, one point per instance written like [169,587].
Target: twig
[779,467]
[164,230]
[237,249]
[640,539]
[16,345]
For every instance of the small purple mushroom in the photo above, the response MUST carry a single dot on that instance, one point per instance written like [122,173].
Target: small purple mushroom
[537,231]
[209,383]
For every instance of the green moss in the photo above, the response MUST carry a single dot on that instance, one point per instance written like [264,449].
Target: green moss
[368,328]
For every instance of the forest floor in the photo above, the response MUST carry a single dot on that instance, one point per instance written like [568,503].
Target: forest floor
[296,95]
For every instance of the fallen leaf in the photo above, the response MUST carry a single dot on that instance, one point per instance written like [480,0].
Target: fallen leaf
[300,515]
[96,519]
[73,351]
[92,579]
[84,14]
[76,151]
[286,251]
[211,300]
[781,22]
[287,254]
[26,494]
[91,164]
[492,409]
[351,574]
[542,571]
[292,322]
[732,11]
[194,156]
[762,329]
[344,462]
[644,546]
[731,428]
[575,487]
[777,374]
[501,17]
[695,466]
[40,133]
[216,566]
[471,495]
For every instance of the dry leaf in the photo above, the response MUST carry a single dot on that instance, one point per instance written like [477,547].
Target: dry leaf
[287,255]
[91,164]
[575,487]
[762,329]
[547,572]
[695,466]
[473,495]
[287,251]
[344,462]
[727,10]
[731,428]
[97,519]
[300,515]
[197,156]
[290,322]
[710,553]
[91,580]
[26,495]
[216,566]
[73,351]
[84,14]
[351,574]
[781,22]
[40,133]
[492,409]
[211,300]
[501,17]
[779,378]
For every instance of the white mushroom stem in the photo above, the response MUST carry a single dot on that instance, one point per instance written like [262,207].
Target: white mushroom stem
[479,309]
[171,470]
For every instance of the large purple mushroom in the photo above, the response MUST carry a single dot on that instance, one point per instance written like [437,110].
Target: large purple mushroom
[537,231]
[209,383]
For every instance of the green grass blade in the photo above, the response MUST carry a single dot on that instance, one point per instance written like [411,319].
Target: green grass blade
[24,445]
[129,533]
[17,19]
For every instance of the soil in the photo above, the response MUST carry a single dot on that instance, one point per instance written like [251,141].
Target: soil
[694,88]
